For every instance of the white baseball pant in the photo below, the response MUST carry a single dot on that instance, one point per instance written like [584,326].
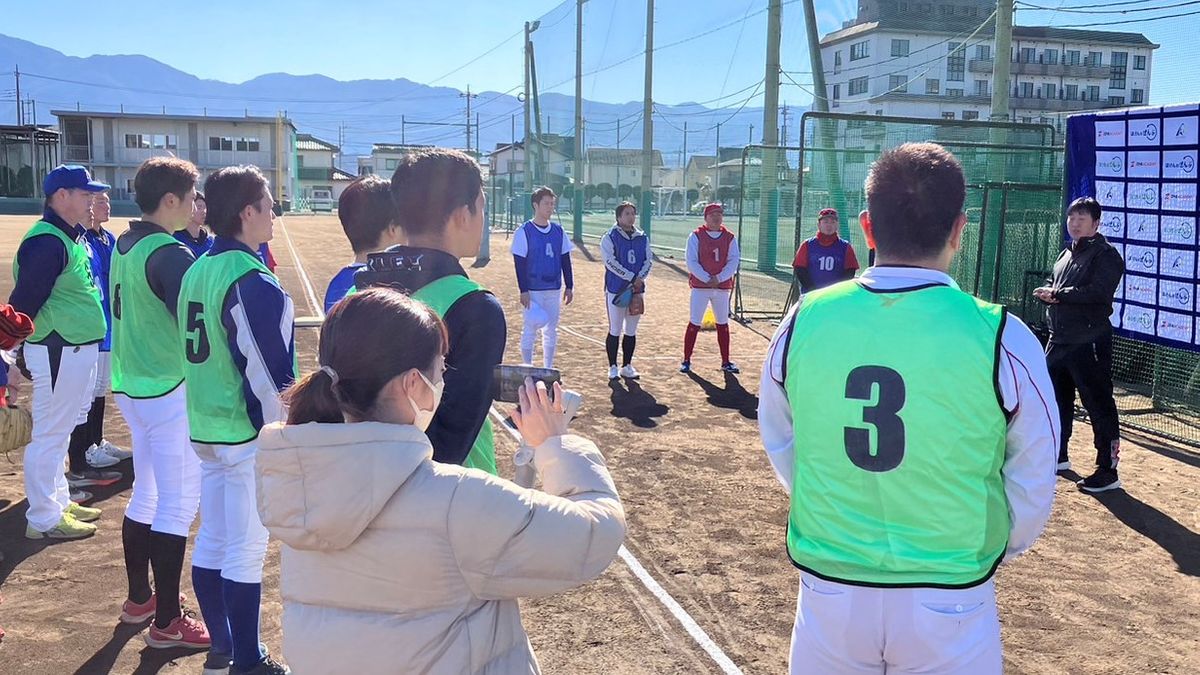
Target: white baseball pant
[103,374]
[231,537]
[63,381]
[703,297]
[551,303]
[857,630]
[166,486]
[619,321]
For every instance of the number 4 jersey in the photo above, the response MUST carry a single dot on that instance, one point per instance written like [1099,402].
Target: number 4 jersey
[235,323]
[899,436]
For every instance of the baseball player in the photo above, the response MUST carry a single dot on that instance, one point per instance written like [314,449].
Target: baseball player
[712,261]
[368,218]
[88,447]
[542,256]
[625,251]
[54,286]
[147,375]
[918,454]
[825,258]
[194,235]
[235,323]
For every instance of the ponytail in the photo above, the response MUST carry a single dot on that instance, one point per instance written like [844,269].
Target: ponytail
[312,400]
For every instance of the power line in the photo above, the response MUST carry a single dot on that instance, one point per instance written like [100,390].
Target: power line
[1078,10]
[1105,24]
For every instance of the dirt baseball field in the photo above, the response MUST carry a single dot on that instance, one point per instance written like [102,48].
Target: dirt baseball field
[1113,586]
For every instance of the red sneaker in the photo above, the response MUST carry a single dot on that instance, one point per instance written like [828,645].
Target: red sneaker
[183,631]
[132,612]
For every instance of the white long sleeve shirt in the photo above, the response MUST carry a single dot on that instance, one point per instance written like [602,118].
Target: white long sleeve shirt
[609,255]
[1031,452]
[692,255]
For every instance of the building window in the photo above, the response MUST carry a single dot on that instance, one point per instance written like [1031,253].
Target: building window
[129,186]
[947,115]
[981,88]
[946,10]
[837,59]
[970,115]
[164,142]
[1093,93]
[1028,55]
[932,86]
[860,50]
[1116,100]
[1095,59]
[837,92]
[954,93]
[983,52]
[1139,62]
[858,86]
[1050,57]
[1026,90]
[1137,96]
[1071,58]
[1027,120]
[1120,61]
[137,141]
[956,63]
[247,145]
[299,161]
[223,143]
[898,83]
[1049,90]
[899,47]
[1072,92]
[391,164]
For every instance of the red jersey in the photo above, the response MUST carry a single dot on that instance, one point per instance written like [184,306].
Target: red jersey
[714,254]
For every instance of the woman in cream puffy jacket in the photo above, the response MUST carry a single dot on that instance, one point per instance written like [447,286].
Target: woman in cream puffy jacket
[393,563]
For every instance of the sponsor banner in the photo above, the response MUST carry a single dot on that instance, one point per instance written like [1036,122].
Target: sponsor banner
[1141,259]
[1179,197]
[1179,230]
[1120,248]
[1181,130]
[1112,224]
[1110,134]
[1142,226]
[1142,196]
[1110,164]
[1177,164]
[1144,132]
[1110,194]
[1141,289]
[1172,326]
[1177,263]
[1119,294]
[1177,296]
[1138,319]
[1144,164]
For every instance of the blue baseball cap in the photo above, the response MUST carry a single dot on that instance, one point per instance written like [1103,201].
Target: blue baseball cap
[71,176]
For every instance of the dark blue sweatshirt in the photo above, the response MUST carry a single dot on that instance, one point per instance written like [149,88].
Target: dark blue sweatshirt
[42,259]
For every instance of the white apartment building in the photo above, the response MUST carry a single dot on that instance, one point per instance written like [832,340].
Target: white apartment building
[113,145]
[919,59]
[316,170]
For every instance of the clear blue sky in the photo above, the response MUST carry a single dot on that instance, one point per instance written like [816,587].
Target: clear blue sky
[424,41]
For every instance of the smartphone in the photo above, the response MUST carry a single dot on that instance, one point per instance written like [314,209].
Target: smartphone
[507,380]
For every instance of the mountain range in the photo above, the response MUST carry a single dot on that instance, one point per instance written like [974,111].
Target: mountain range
[357,113]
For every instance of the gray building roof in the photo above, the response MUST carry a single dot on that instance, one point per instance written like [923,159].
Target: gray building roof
[963,26]
[168,116]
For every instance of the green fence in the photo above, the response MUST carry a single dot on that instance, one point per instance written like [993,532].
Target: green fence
[1014,207]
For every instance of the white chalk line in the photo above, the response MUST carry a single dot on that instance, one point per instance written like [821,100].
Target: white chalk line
[689,624]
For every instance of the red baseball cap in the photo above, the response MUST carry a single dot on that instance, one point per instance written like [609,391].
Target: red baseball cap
[14,327]
[827,213]
[713,207]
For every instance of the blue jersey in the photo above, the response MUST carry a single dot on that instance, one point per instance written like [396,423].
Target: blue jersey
[341,284]
[628,252]
[543,258]
[199,245]
[99,247]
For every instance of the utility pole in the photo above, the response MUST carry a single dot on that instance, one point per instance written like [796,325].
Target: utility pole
[684,161]
[821,100]
[577,199]
[527,48]
[17,74]
[478,147]
[402,130]
[784,136]
[717,167]
[468,96]
[821,105]
[1002,63]
[648,121]
[618,162]
[768,213]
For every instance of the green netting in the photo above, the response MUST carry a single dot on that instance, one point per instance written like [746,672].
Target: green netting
[1014,207]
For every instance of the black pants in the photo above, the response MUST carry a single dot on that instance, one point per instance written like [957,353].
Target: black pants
[1087,368]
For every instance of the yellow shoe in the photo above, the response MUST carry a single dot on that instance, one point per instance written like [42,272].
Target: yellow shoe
[84,514]
[68,527]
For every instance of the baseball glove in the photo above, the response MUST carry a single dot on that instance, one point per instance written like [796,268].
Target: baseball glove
[16,429]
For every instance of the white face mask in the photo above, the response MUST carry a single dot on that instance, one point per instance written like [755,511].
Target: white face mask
[422,418]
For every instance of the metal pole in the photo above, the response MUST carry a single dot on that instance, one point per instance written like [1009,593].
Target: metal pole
[577,200]
[1002,61]
[525,150]
[768,214]
[685,165]
[717,167]
[17,74]
[402,121]
[820,102]
[648,121]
